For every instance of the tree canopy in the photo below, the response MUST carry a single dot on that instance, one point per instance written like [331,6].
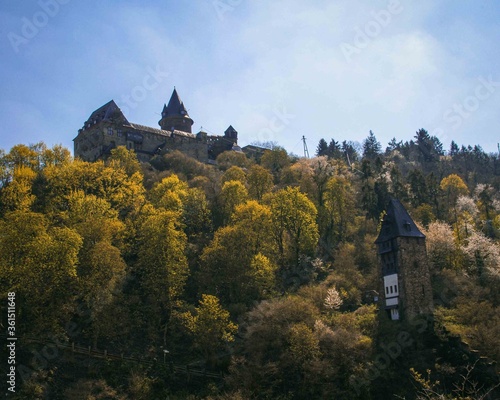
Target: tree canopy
[262,271]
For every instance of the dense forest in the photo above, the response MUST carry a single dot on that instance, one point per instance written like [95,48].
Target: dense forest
[247,279]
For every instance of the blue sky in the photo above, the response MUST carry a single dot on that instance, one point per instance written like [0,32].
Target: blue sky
[275,70]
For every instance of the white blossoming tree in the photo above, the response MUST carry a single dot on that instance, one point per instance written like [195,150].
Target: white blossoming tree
[333,301]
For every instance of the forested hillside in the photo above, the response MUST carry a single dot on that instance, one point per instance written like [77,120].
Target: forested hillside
[262,272]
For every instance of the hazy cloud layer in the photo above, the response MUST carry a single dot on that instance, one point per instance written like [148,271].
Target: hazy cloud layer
[274,70]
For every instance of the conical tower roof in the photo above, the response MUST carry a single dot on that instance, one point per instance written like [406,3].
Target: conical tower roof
[175,107]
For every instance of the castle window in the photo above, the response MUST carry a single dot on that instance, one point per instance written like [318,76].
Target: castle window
[120,133]
[387,290]
[110,131]
[395,288]
[391,289]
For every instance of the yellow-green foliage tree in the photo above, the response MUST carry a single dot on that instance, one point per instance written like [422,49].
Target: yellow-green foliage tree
[123,158]
[337,211]
[18,194]
[228,159]
[294,227]
[123,193]
[453,186]
[275,161]
[289,347]
[26,156]
[101,268]
[232,194]
[260,182]
[236,265]
[196,215]
[210,327]
[262,275]
[174,195]
[234,174]
[169,193]
[39,263]
[161,266]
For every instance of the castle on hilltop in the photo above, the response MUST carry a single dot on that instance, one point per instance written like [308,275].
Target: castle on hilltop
[107,127]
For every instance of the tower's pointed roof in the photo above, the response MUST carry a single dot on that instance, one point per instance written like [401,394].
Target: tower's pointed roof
[230,130]
[175,106]
[397,223]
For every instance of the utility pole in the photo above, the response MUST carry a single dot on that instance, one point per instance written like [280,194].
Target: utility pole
[306,151]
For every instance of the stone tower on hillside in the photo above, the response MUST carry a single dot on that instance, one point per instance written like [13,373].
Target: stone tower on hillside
[405,268]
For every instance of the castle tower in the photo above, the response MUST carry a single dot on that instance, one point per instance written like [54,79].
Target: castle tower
[102,131]
[405,269]
[175,116]
[231,134]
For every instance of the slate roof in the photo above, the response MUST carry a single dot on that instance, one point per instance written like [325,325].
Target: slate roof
[252,147]
[145,128]
[107,112]
[175,107]
[229,131]
[397,223]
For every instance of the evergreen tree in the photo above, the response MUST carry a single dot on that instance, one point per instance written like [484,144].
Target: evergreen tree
[371,147]
[429,147]
[418,187]
[322,149]
[334,150]
[393,145]
[454,149]
[349,151]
